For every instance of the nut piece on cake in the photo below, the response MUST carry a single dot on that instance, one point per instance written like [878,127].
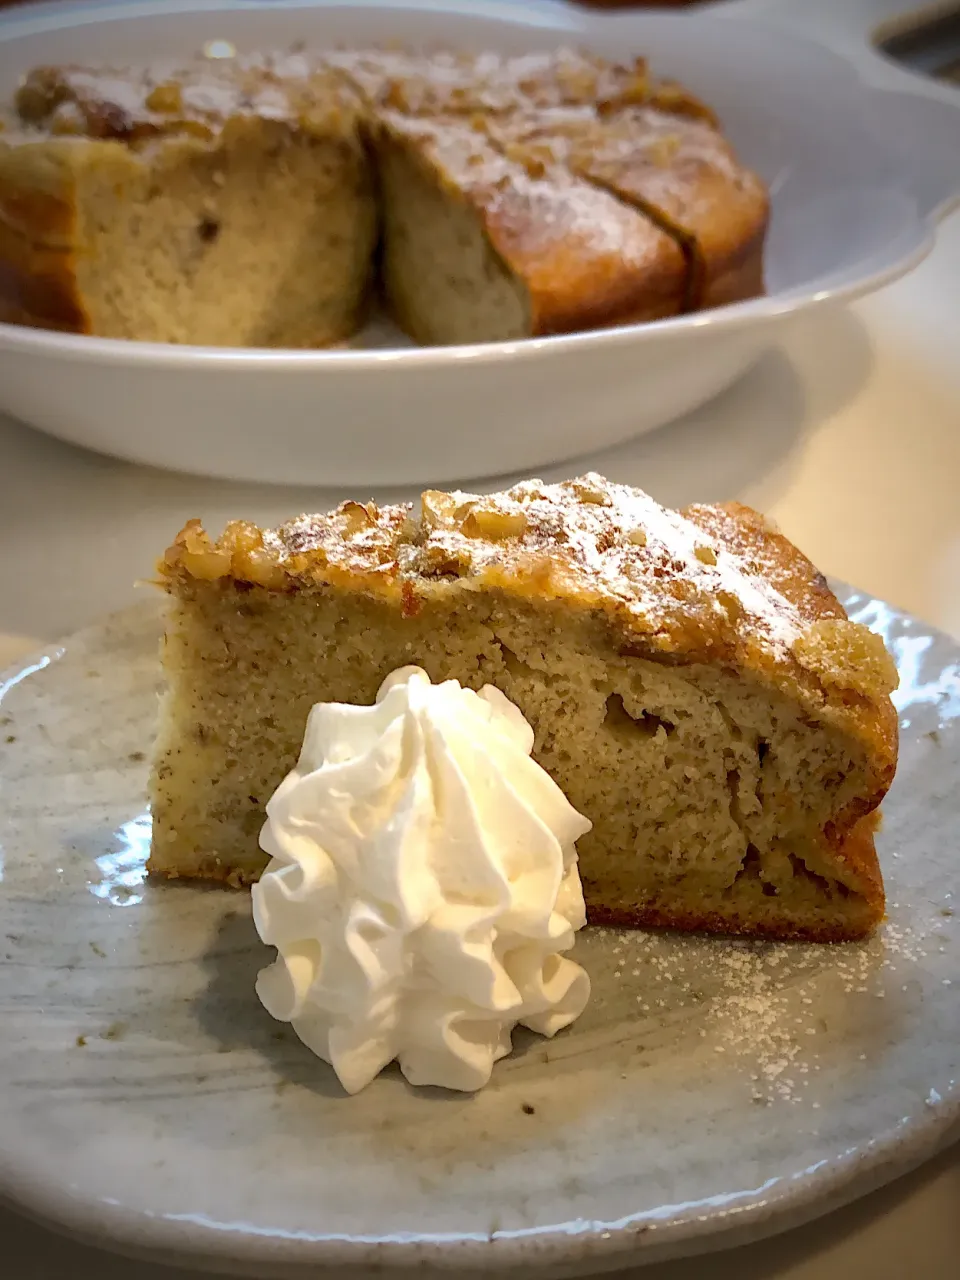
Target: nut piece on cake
[450,82]
[694,687]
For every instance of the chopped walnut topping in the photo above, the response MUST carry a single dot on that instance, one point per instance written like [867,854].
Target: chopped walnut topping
[588,490]
[579,84]
[193,552]
[394,96]
[535,157]
[437,509]
[663,150]
[731,605]
[357,517]
[239,554]
[494,523]
[166,97]
[135,106]
[846,655]
[67,121]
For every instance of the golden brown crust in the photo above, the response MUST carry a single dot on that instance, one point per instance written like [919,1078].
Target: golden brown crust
[449,82]
[857,853]
[138,106]
[598,543]
[39,234]
[586,259]
[38,286]
[681,173]
[763,548]
[35,205]
[865,679]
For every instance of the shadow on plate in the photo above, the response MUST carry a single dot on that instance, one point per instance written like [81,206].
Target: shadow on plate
[228,1009]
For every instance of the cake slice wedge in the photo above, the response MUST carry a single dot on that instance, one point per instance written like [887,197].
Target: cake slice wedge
[681,173]
[478,247]
[694,686]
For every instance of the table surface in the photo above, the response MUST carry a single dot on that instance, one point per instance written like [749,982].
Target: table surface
[848,434]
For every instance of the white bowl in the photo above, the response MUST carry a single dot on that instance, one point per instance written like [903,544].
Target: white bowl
[861,159]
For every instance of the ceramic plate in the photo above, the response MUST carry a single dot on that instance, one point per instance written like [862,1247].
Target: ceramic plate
[713,1092]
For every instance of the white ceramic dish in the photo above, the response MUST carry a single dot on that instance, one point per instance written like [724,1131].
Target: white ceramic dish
[861,158]
[713,1091]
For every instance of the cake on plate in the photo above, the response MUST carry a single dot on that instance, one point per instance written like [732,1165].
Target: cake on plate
[263,200]
[694,688]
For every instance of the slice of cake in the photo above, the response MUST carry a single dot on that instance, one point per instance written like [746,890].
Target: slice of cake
[228,204]
[478,246]
[680,173]
[694,687]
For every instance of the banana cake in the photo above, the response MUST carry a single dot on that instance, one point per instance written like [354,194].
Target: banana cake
[265,200]
[694,686]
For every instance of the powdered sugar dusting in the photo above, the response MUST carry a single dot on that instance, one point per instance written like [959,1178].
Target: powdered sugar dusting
[448,82]
[673,584]
[620,542]
[529,207]
[634,144]
[776,1015]
[138,104]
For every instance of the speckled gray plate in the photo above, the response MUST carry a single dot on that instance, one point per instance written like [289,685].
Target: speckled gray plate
[714,1091]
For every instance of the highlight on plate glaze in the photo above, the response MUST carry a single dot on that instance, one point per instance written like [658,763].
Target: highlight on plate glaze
[911,643]
[24,673]
[123,873]
[16,677]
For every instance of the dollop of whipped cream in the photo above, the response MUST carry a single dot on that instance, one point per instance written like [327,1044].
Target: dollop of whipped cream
[422,886]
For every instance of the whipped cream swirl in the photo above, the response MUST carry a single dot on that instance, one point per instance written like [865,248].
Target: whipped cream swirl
[422,886]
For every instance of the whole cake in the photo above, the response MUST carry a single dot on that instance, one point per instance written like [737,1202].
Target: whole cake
[266,200]
[694,688]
